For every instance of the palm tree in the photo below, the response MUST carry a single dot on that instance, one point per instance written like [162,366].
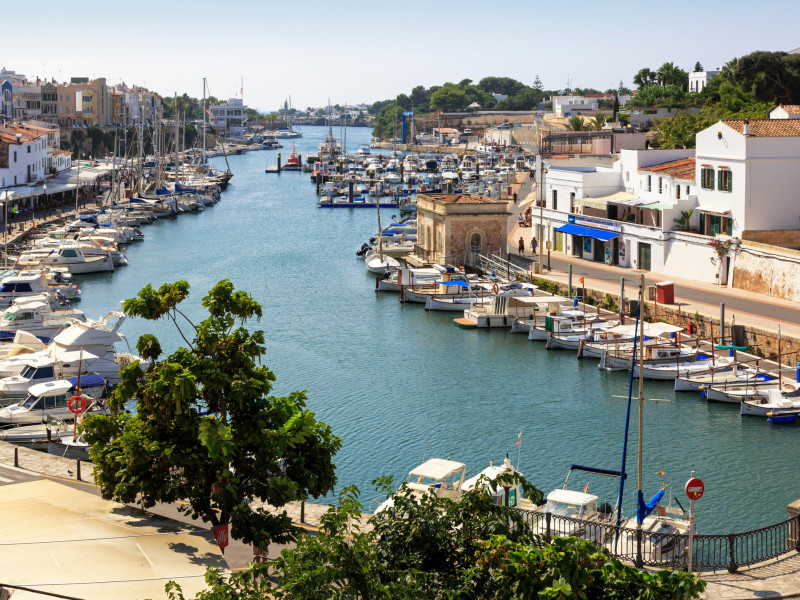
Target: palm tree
[666,74]
[576,123]
[598,122]
[643,77]
[728,72]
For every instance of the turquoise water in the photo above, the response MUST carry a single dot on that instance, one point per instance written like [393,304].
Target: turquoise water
[392,379]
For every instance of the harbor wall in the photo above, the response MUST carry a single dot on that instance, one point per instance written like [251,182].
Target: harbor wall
[760,342]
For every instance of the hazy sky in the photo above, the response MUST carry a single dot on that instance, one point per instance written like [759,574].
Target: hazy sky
[351,51]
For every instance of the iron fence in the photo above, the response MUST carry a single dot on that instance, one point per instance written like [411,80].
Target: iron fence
[663,548]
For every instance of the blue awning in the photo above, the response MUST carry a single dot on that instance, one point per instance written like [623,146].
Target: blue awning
[88,380]
[458,283]
[571,228]
[599,234]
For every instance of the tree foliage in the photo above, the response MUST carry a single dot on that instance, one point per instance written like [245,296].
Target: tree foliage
[206,431]
[680,131]
[433,547]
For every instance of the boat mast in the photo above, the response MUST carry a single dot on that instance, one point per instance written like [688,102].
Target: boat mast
[641,416]
[204,120]
[177,138]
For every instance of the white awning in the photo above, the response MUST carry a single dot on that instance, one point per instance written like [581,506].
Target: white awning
[713,210]
[438,469]
[602,201]
[650,329]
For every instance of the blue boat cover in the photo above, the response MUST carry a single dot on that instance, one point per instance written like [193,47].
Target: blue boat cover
[89,380]
[459,283]
[89,219]
[643,509]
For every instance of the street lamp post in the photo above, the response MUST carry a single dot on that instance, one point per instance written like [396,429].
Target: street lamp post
[78,185]
[541,222]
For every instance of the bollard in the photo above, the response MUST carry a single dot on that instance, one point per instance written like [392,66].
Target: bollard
[639,562]
[547,518]
[79,471]
[302,511]
[16,457]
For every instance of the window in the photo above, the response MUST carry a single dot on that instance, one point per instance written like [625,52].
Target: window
[678,192]
[648,187]
[724,180]
[69,253]
[627,176]
[29,149]
[707,178]
[555,200]
[660,187]
[43,373]
[15,160]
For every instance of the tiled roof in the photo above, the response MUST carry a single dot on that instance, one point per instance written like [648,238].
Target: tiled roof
[768,127]
[682,168]
[59,151]
[599,96]
[9,136]
[460,199]
[792,109]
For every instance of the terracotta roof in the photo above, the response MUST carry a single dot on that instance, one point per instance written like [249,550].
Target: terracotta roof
[460,198]
[682,168]
[9,136]
[792,109]
[768,127]
[59,151]
[599,96]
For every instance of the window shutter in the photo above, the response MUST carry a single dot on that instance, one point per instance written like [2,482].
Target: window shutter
[719,180]
[730,181]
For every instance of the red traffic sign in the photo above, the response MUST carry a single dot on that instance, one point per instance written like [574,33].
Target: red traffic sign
[221,535]
[695,488]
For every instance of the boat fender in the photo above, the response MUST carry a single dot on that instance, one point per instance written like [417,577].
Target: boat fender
[495,289]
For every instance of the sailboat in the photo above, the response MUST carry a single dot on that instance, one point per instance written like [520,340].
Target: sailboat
[380,263]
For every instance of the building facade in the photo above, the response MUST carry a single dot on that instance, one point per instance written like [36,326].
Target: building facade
[228,118]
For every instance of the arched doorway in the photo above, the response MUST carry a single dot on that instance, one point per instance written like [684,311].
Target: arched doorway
[475,243]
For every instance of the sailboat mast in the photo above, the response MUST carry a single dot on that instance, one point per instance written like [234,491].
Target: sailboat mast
[204,120]
[177,137]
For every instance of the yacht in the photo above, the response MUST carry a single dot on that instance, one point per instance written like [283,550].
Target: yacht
[71,256]
[43,316]
[53,400]
[34,283]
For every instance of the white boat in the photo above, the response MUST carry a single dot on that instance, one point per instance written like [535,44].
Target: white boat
[381,264]
[512,301]
[35,435]
[738,392]
[31,283]
[573,341]
[768,402]
[36,315]
[40,368]
[458,304]
[697,380]
[44,400]
[407,276]
[655,354]
[569,321]
[71,256]
[670,370]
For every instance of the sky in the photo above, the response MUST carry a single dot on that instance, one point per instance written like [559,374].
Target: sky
[358,51]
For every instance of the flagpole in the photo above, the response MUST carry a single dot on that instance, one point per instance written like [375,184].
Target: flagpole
[519,448]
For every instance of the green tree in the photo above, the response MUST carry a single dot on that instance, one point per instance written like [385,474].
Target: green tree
[770,76]
[598,121]
[501,85]
[698,67]
[644,77]
[449,98]
[420,99]
[404,102]
[206,431]
[576,123]
[433,547]
[388,122]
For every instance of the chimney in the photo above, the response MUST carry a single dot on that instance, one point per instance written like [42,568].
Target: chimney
[746,128]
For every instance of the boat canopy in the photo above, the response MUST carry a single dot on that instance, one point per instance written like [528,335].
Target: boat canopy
[608,472]
[438,469]
[89,380]
[650,329]
[458,283]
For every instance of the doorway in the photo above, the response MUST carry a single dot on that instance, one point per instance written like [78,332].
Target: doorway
[644,256]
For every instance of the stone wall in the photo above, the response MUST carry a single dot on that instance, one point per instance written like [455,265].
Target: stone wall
[767,269]
[783,238]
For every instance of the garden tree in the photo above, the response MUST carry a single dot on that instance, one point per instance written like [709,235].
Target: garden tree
[374,109]
[433,547]
[206,431]
[537,85]
[698,67]
[770,76]
[598,121]
[668,74]
[576,123]
[527,99]
[680,131]
[654,94]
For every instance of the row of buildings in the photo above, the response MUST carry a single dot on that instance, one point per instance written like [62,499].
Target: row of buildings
[727,212]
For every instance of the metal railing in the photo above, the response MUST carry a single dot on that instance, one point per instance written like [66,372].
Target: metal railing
[657,549]
[493,262]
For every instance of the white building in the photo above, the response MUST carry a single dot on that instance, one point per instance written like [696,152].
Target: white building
[788,111]
[23,157]
[699,79]
[228,118]
[567,106]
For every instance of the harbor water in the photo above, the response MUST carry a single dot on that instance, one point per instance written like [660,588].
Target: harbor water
[400,384]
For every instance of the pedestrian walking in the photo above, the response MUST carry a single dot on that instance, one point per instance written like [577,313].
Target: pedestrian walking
[521,245]
[534,244]
[521,220]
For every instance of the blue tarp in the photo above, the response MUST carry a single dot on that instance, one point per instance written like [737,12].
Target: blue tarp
[90,219]
[642,509]
[89,380]
[460,283]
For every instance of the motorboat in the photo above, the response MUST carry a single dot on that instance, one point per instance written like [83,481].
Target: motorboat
[72,256]
[41,369]
[292,162]
[407,276]
[658,354]
[696,381]
[48,400]
[34,283]
[381,264]
[766,403]
[37,315]
[669,370]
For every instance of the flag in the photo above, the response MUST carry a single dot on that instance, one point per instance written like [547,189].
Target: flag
[519,439]
[580,280]
[660,473]
[586,488]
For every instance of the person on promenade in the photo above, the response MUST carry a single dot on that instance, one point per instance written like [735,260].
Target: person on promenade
[534,245]
[521,245]
[521,220]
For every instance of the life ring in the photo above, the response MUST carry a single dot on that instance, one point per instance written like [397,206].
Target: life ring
[77,404]
[691,327]
[495,289]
